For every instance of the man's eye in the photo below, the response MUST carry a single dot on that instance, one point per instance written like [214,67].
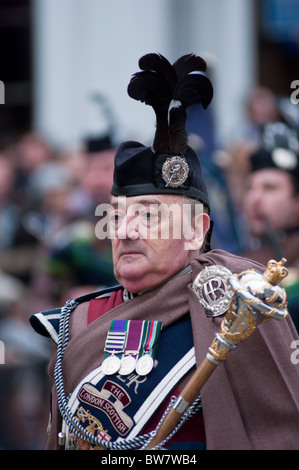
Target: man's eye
[114,218]
[270,188]
[149,215]
[149,218]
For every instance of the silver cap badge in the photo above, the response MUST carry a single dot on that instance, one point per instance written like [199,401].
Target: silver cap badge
[213,290]
[175,171]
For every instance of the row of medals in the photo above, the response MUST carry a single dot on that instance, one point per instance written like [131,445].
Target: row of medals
[128,364]
[129,360]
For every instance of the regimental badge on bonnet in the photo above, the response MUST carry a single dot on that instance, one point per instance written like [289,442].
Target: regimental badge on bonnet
[175,171]
[169,165]
[213,290]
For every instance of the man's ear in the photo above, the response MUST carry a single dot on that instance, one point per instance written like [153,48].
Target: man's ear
[200,225]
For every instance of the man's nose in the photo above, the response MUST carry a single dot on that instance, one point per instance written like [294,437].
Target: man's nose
[255,197]
[128,228]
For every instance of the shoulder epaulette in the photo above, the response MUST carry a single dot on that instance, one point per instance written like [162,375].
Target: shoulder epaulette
[47,323]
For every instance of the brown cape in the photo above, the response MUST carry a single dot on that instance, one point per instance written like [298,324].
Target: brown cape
[252,399]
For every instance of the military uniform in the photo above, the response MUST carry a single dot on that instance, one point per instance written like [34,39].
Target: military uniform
[242,406]
[251,401]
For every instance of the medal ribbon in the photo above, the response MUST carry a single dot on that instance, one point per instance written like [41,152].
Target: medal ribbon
[150,338]
[116,337]
[134,338]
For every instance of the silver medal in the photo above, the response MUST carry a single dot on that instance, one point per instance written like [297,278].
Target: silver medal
[213,290]
[144,364]
[127,365]
[111,365]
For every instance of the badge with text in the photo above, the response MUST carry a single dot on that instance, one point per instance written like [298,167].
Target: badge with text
[213,290]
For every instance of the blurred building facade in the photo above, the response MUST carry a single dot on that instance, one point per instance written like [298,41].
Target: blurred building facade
[58,55]
[82,50]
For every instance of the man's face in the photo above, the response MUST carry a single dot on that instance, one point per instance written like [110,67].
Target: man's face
[149,244]
[270,194]
[98,177]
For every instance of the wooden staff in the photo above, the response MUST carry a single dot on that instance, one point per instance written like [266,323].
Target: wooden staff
[239,323]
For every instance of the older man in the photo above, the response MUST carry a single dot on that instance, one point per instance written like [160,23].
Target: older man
[123,353]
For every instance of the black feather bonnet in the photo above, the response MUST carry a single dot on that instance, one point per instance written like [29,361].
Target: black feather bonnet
[279,149]
[170,166]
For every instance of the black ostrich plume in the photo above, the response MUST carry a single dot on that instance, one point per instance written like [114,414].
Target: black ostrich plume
[170,90]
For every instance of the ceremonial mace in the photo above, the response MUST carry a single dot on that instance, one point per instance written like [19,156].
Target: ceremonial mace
[257,297]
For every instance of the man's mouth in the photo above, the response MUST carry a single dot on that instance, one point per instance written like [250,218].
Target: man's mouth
[130,253]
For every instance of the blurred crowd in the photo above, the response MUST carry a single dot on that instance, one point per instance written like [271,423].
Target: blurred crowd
[49,251]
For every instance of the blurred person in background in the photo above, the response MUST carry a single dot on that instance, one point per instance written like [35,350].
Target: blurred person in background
[261,107]
[48,251]
[271,204]
[77,259]
[23,156]
[23,376]
[98,175]
[30,152]
[9,210]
